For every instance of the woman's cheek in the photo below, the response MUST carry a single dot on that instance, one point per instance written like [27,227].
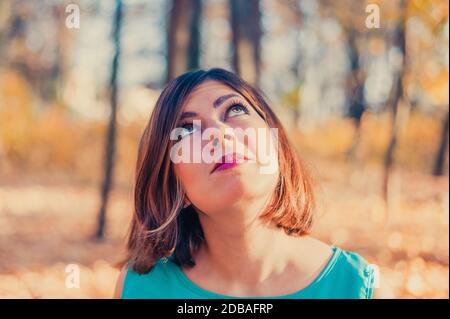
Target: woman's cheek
[192,178]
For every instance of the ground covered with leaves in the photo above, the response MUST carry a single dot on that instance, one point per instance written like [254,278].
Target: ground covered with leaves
[46,225]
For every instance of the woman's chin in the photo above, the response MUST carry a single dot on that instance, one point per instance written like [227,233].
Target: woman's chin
[236,189]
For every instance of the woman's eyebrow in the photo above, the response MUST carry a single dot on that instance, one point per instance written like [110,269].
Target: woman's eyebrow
[223,98]
[216,104]
[187,114]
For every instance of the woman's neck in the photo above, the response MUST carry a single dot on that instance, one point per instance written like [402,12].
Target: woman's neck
[251,253]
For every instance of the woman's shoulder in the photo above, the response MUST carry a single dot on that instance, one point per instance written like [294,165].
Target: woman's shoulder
[120,281]
[344,274]
[355,272]
[355,261]
[347,260]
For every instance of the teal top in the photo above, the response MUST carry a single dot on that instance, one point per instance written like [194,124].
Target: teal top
[347,275]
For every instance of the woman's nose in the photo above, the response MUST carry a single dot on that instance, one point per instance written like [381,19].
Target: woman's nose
[222,138]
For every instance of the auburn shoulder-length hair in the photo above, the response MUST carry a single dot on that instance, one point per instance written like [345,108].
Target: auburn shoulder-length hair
[160,226]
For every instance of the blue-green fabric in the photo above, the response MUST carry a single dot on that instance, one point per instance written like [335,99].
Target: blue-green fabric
[347,275]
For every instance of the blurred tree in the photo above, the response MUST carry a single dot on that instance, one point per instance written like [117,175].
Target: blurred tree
[439,161]
[396,98]
[5,13]
[63,40]
[293,22]
[294,6]
[245,17]
[352,20]
[111,134]
[355,90]
[28,47]
[183,43]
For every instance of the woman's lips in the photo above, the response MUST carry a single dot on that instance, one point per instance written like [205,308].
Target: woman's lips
[229,161]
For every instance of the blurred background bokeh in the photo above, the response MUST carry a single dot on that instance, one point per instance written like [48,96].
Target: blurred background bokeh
[366,106]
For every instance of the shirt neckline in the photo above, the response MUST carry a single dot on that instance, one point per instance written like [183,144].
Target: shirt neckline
[202,292]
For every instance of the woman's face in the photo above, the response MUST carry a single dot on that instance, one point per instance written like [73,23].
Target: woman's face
[219,125]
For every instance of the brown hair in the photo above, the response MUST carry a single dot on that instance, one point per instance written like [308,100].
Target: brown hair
[160,226]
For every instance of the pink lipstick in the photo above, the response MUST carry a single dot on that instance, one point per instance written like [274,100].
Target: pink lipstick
[229,161]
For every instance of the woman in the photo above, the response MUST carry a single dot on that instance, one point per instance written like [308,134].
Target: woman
[235,223]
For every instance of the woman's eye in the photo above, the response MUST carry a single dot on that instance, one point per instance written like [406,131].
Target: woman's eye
[186,129]
[236,109]
[188,126]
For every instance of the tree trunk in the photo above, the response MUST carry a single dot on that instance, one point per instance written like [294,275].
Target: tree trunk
[64,40]
[397,94]
[111,134]
[195,33]
[245,19]
[443,149]
[355,91]
[297,65]
[183,37]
